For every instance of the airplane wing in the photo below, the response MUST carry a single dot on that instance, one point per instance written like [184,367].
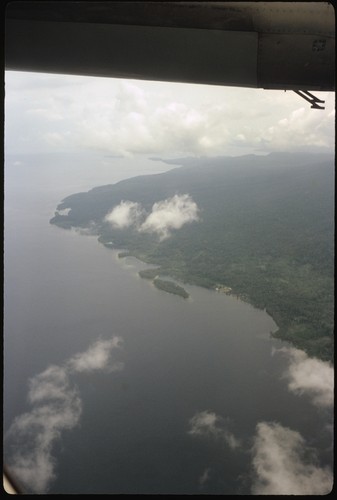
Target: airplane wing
[271,45]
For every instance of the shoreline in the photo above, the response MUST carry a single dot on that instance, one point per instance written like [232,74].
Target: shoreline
[282,332]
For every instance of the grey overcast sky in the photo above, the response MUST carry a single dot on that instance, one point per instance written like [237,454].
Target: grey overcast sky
[51,113]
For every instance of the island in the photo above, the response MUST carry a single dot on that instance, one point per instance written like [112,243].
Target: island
[260,227]
[170,287]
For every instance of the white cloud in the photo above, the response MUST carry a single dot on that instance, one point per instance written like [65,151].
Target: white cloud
[50,384]
[64,211]
[132,117]
[56,406]
[309,376]
[204,422]
[208,424]
[53,138]
[204,476]
[284,465]
[301,128]
[126,214]
[49,113]
[131,98]
[97,357]
[166,215]
[281,461]
[169,214]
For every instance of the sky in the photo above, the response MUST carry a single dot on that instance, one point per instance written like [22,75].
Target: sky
[64,113]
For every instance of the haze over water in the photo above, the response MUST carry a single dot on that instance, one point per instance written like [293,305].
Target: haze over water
[164,395]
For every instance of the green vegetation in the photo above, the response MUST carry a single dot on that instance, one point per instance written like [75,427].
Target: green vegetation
[121,255]
[170,287]
[266,231]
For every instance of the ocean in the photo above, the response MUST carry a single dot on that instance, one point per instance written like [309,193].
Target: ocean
[113,386]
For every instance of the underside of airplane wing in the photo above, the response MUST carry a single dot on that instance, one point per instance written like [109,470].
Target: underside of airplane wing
[272,45]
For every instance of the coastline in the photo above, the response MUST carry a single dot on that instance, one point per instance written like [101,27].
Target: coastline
[284,330]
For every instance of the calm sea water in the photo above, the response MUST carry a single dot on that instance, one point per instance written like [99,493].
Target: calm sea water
[212,352]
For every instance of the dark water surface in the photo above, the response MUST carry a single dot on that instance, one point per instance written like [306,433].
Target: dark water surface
[210,352]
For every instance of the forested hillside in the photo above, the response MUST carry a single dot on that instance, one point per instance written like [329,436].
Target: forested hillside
[265,228]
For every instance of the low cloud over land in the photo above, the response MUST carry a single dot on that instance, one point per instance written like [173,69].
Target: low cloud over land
[169,214]
[126,214]
[56,407]
[165,216]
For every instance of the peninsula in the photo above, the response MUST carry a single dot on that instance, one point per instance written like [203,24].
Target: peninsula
[259,227]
